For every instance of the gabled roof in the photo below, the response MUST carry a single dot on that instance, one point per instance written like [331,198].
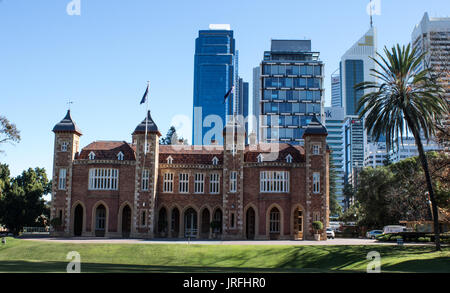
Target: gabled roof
[315,127]
[108,150]
[67,125]
[151,126]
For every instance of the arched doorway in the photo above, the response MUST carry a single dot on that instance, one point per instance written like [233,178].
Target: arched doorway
[100,221]
[274,223]
[190,223]
[175,223]
[217,219]
[250,223]
[298,224]
[206,224]
[126,221]
[162,222]
[78,221]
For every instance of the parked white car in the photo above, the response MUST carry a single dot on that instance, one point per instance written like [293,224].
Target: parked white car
[330,233]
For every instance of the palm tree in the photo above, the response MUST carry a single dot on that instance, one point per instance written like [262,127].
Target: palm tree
[404,99]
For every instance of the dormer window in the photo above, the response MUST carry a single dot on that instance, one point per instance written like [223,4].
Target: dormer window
[120,156]
[91,156]
[289,158]
[64,146]
[215,161]
[169,160]
[260,158]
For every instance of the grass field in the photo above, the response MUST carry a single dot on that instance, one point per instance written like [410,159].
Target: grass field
[35,256]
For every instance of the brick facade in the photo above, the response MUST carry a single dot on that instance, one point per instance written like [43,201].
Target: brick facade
[158,207]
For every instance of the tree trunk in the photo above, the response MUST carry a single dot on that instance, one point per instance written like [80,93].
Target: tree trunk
[424,161]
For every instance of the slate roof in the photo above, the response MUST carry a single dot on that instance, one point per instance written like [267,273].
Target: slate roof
[67,125]
[151,125]
[315,127]
[108,150]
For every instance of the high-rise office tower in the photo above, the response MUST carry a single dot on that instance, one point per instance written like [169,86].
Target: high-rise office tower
[354,148]
[336,99]
[256,109]
[432,35]
[214,75]
[355,68]
[334,122]
[291,90]
[242,105]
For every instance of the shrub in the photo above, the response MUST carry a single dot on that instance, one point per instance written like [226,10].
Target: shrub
[317,226]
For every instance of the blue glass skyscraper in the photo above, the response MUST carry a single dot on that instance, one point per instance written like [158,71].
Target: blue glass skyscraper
[214,71]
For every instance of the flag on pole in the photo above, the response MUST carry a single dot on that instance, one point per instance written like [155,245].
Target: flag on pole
[228,93]
[144,98]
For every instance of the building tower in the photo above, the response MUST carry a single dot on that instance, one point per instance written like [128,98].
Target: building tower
[146,176]
[317,176]
[291,90]
[234,137]
[214,72]
[66,145]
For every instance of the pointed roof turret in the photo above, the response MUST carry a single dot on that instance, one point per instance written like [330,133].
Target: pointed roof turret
[151,126]
[315,127]
[67,125]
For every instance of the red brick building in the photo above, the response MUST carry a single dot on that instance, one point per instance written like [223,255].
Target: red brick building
[234,191]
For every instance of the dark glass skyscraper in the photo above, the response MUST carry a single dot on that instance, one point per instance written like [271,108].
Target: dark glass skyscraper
[214,71]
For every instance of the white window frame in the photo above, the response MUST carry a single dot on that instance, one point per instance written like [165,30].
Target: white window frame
[62,179]
[215,161]
[214,183]
[316,182]
[183,183]
[233,181]
[289,158]
[199,183]
[145,180]
[91,156]
[168,182]
[169,160]
[274,221]
[274,181]
[260,158]
[120,156]
[316,149]
[64,146]
[103,179]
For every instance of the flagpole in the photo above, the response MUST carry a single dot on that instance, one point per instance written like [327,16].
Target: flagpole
[146,121]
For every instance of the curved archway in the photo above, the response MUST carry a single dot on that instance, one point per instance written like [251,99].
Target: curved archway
[162,222]
[126,221]
[205,226]
[218,221]
[100,219]
[190,223]
[175,222]
[251,221]
[297,222]
[78,218]
[274,222]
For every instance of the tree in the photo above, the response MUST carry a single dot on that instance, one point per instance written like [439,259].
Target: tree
[171,137]
[402,93]
[8,131]
[22,202]
[349,194]
[335,207]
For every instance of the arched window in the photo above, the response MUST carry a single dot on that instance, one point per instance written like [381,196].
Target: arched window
[169,160]
[91,156]
[215,161]
[274,220]
[120,156]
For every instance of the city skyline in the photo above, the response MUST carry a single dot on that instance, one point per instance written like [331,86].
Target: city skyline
[81,58]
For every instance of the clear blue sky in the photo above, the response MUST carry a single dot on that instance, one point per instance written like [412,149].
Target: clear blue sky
[103,58]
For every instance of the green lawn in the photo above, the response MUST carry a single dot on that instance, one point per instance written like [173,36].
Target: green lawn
[34,256]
